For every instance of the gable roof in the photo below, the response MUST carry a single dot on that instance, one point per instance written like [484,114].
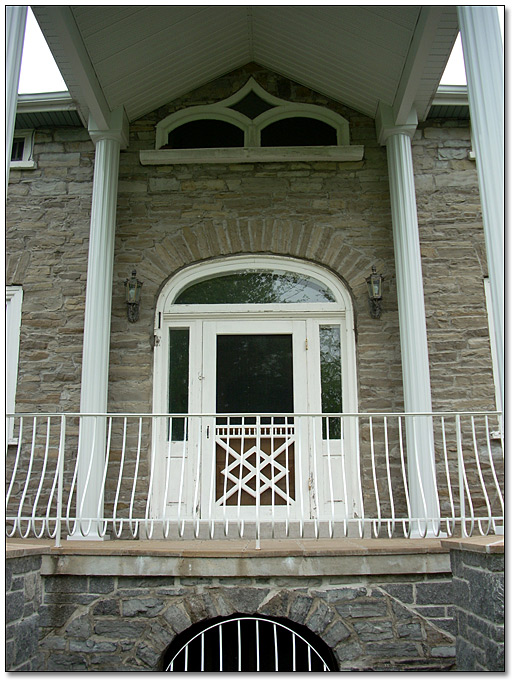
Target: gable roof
[141,57]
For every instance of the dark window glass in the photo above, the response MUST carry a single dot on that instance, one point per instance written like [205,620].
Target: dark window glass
[298,131]
[179,370]
[330,366]
[254,373]
[257,287]
[206,133]
[17,149]
[251,105]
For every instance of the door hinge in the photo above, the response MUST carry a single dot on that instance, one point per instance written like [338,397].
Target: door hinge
[306,344]
[156,340]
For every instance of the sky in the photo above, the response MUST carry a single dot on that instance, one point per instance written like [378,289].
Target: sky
[39,73]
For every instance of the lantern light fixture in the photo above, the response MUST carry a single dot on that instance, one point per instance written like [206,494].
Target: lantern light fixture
[375,293]
[133,297]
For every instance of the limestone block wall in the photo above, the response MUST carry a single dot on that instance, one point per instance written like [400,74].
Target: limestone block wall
[47,231]
[337,214]
[170,216]
[454,265]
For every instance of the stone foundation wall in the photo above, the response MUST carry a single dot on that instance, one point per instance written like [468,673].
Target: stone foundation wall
[126,623]
[22,613]
[478,595]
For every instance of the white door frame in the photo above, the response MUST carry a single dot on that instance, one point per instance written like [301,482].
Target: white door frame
[259,318]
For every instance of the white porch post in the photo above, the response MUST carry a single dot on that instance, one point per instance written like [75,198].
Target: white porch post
[96,338]
[15,17]
[412,316]
[484,63]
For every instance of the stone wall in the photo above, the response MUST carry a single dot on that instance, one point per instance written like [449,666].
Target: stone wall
[478,595]
[127,623]
[22,612]
[170,216]
[337,214]
[47,230]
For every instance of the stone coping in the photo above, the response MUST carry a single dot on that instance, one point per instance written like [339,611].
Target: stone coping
[236,558]
[228,548]
[17,548]
[480,544]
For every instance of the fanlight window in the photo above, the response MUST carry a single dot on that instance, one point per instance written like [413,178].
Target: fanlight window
[257,286]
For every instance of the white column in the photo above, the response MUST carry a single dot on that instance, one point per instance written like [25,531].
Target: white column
[484,62]
[15,17]
[412,316]
[96,337]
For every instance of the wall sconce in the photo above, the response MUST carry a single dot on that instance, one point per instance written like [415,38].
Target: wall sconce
[133,297]
[375,293]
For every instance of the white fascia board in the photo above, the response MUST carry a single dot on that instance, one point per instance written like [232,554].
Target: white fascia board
[416,60]
[66,44]
[45,102]
[451,95]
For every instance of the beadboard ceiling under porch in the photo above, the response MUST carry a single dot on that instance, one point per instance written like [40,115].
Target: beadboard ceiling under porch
[141,57]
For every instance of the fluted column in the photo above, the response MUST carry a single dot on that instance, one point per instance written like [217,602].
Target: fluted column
[412,317]
[96,337]
[15,17]
[484,63]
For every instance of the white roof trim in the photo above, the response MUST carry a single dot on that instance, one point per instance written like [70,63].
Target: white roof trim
[45,102]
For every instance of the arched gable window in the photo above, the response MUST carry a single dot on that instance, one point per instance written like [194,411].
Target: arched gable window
[252,125]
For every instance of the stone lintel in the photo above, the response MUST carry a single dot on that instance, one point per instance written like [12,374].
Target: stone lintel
[253,154]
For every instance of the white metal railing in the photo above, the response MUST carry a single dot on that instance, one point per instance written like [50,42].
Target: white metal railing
[210,476]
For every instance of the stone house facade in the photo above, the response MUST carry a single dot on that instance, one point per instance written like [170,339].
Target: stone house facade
[409,446]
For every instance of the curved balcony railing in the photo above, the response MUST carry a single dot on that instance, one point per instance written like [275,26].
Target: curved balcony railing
[213,476]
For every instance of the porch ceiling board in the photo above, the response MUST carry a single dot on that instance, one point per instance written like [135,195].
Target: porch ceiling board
[146,56]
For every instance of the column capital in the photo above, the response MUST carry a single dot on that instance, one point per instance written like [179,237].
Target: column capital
[386,126]
[118,130]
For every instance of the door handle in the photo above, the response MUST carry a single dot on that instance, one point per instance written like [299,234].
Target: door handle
[207,432]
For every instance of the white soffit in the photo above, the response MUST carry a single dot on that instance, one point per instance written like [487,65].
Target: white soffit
[145,56]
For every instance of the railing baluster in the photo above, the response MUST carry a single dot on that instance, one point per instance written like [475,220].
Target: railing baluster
[482,484]
[331,488]
[61,461]
[463,482]
[406,532]
[117,531]
[185,454]
[391,525]
[492,466]
[134,481]
[377,524]
[45,524]
[26,485]
[165,519]
[316,476]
